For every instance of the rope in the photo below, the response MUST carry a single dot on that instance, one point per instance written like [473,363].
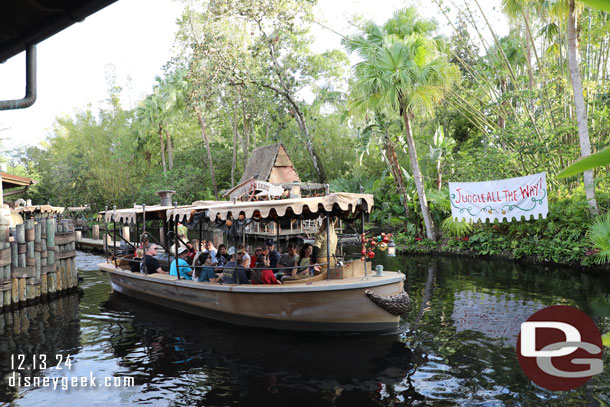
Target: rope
[395,305]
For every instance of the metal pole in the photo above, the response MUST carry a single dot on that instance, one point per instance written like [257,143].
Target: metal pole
[200,237]
[328,245]
[277,231]
[176,243]
[365,271]
[105,242]
[143,218]
[30,83]
[114,236]
[235,270]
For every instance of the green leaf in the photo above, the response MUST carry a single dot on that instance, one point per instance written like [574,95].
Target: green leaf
[606,339]
[600,4]
[595,160]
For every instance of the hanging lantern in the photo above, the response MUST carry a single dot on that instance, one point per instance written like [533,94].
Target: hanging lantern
[383,246]
[391,249]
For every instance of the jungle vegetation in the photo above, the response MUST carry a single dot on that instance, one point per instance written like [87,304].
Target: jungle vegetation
[414,107]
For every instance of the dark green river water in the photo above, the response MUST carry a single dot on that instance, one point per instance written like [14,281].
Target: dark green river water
[456,347]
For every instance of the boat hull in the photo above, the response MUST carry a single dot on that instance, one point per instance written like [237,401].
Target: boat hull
[327,306]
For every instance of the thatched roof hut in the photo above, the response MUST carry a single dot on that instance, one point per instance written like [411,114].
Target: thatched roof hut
[271,164]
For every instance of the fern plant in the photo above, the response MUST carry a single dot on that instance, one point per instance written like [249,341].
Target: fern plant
[456,229]
[599,236]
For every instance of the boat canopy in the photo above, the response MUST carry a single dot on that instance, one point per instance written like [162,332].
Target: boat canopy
[345,205]
[129,215]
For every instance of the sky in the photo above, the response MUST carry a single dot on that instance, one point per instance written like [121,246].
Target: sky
[134,39]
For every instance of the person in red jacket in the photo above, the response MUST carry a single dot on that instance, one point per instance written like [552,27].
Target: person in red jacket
[261,275]
[257,252]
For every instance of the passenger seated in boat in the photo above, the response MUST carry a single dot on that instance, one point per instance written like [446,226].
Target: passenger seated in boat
[244,255]
[289,259]
[193,249]
[234,273]
[186,272]
[209,247]
[260,275]
[136,262]
[305,264]
[257,252]
[274,255]
[143,246]
[221,255]
[206,273]
[151,265]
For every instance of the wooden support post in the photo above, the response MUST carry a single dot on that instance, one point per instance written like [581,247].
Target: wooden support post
[22,285]
[38,232]
[44,284]
[15,290]
[29,289]
[95,232]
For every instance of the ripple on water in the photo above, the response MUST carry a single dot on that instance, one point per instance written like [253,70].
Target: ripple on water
[464,318]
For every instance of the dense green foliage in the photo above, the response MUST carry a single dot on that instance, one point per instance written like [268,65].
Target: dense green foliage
[474,106]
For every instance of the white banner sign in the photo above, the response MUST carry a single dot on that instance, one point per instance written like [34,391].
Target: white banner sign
[502,199]
[264,188]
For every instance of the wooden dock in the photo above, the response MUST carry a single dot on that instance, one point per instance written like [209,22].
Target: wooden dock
[94,245]
[37,259]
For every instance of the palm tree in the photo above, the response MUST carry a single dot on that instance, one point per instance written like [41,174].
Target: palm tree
[579,105]
[402,71]
[382,132]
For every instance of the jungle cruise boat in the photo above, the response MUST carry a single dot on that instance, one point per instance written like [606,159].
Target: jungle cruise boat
[347,298]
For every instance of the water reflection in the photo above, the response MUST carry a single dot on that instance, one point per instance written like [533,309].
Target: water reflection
[47,331]
[457,347]
[227,364]
[467,322]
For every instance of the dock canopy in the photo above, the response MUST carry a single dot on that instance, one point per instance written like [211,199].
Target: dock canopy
[44,209]
[347,206]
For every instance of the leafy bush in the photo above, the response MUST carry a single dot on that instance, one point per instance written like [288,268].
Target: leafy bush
[456,229]
[599,236]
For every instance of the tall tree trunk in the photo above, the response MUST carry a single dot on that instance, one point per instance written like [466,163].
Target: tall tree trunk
[234,161]
[579,105]
[170,150]
[162,148]
[419,180]
[206,141]
[245,140]
[397,173]
[530,70]
[439,174]
[300,119]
